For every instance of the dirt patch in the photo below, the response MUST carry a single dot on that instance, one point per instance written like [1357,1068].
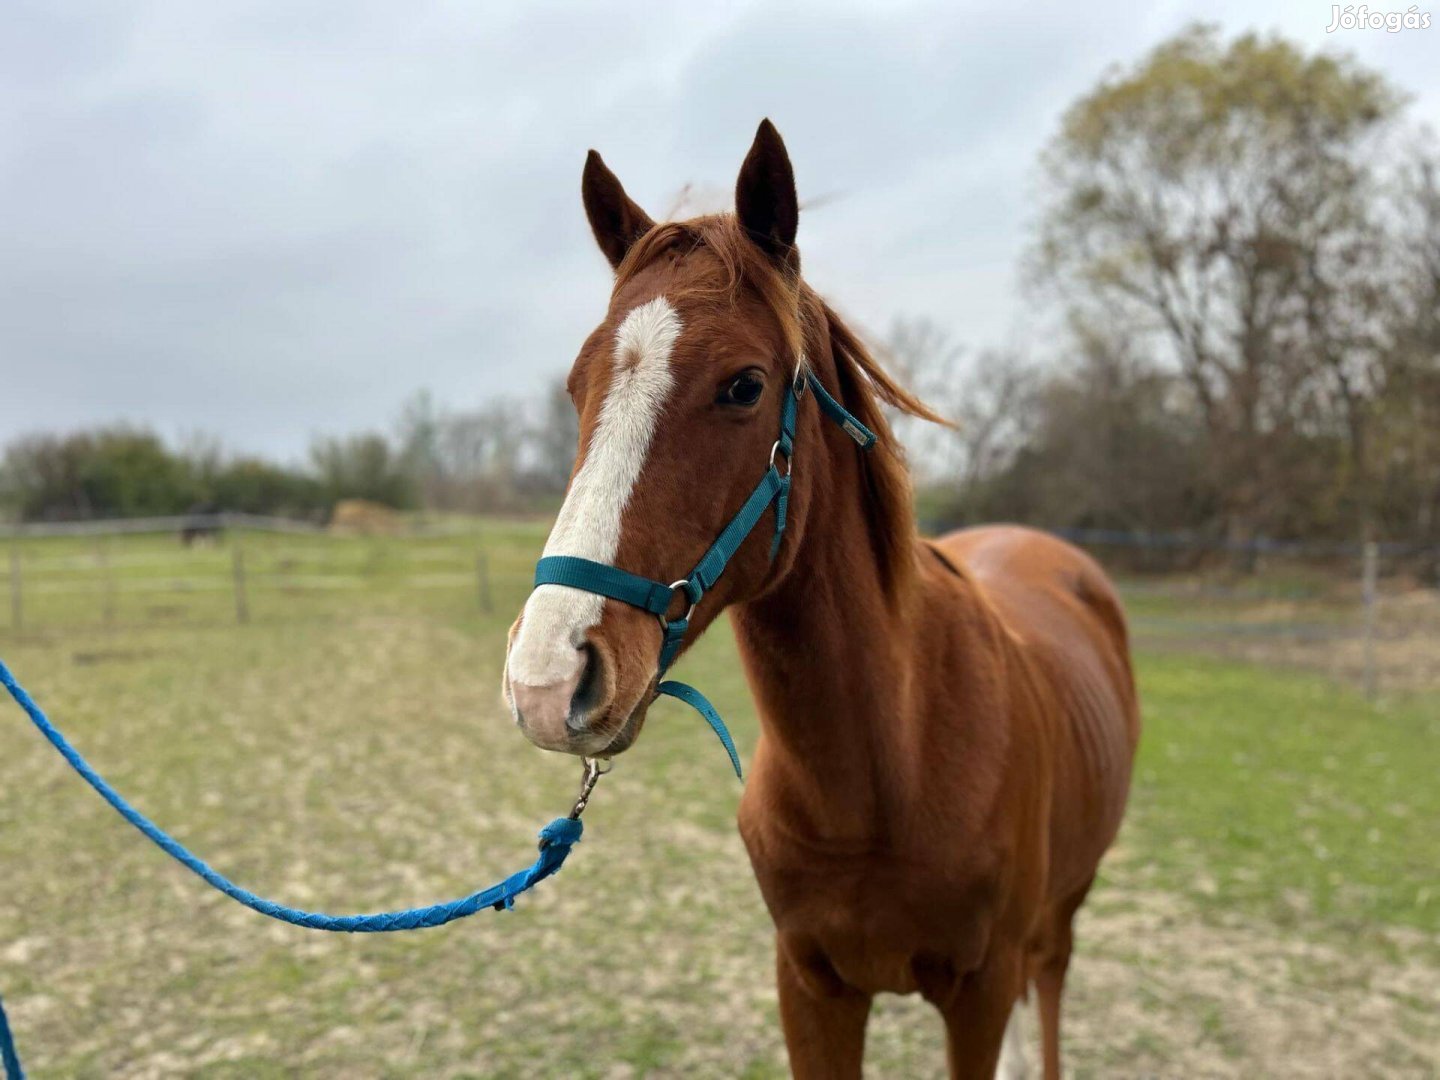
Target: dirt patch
[1155,990]
[110,656]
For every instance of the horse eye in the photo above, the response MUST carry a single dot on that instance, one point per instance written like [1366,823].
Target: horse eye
[745,389]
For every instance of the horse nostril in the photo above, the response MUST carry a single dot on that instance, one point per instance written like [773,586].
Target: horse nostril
[542,698]
[557,705]
[588,691]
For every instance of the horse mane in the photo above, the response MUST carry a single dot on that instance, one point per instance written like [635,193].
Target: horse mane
[865,389]
[810,328]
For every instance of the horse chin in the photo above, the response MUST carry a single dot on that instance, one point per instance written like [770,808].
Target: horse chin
[629,731]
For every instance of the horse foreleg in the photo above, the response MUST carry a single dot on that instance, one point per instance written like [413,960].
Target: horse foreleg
[1049,986]
[977,1017]
[824,1018]
[1049,977]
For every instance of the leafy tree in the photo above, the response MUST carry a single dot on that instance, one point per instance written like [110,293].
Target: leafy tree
[131,474]
[1215,202]
[110,472]
[253,486]
[363,466]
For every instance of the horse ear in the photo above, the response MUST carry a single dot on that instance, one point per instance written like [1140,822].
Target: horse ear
[765,198]
[614,219]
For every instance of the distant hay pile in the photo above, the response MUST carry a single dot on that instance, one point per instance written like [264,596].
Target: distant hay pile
[361,517]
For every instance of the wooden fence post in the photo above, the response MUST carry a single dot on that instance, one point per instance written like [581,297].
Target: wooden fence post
[242,607]
[107,579]
[482,582]
[17,604]
[1369,574]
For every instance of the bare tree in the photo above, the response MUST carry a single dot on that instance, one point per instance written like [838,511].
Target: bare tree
[556,437]
[982,394]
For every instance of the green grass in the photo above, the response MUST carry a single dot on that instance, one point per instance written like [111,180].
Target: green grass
[346,750]
[78,583]
[1171,607]
[1284,797]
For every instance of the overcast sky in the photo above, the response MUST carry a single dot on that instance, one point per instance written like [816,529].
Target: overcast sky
[267,219]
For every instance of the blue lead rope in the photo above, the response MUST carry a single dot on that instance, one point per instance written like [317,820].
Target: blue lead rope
[8,1055]
[556,840]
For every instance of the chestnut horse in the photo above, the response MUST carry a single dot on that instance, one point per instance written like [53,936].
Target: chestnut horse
[947,726]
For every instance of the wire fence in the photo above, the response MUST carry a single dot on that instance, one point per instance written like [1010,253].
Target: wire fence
[1362,614]
[1366,614]
[203,570]
[1258,547]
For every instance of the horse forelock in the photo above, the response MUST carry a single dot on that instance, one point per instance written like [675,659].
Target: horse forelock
[736,264]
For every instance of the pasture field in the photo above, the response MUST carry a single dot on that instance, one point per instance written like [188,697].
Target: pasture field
[1272,907]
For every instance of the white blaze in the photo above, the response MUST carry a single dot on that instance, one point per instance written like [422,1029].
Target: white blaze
[557,616]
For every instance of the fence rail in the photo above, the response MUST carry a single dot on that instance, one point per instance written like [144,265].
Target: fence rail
[173,524]
[203,522]
[54,585]
[1355,613]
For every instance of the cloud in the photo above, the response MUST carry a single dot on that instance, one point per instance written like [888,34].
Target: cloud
[266,220]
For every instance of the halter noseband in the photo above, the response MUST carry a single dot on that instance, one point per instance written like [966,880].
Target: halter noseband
[656,597]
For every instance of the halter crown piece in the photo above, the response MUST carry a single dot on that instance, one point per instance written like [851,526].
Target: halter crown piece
[656,597]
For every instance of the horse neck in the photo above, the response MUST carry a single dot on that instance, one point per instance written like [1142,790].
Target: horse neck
[828,655]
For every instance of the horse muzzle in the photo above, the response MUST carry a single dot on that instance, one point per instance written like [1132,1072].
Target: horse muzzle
[576,711]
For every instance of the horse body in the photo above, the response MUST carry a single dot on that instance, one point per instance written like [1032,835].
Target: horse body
[1069,628]
[947,726]
[934,787]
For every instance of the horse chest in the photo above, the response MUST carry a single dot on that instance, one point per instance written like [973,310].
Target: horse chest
[879,924]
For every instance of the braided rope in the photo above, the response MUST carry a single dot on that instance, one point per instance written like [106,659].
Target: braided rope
[556,840]
[8,1055]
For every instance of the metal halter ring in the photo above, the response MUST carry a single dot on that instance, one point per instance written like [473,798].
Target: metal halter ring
[680,585]
[775,450]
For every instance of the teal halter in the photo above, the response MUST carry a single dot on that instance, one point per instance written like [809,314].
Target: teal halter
[656,597]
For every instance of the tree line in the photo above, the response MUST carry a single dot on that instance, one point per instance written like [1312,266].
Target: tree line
[506,455]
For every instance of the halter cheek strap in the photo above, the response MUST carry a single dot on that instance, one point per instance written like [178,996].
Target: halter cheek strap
[657,598]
